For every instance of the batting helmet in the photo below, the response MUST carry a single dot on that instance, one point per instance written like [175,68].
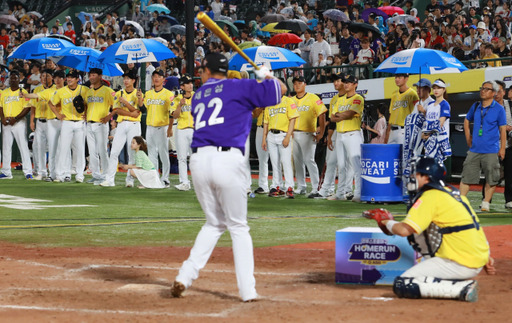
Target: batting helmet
[435,170]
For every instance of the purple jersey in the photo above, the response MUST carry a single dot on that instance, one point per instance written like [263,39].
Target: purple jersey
[222,110]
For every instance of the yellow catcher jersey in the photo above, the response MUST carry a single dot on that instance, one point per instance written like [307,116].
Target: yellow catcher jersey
[132,99]
[354,103]
[278,116]
[158,105]
[65,97]
[99,102]
[43,110]
[11,102]
[401,106]
[185,120]
[468,247]
[310,106]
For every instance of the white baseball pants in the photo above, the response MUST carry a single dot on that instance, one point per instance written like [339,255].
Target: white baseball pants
[97,139]
[262,160]
[125,132]
[331,165]
[39,147]
[220,182]
[279,155]
[17,132]
[158,146]
[183,142]
[441,268]
[53,133]
[71,133]
[304,146]
[397,136]
[348,151]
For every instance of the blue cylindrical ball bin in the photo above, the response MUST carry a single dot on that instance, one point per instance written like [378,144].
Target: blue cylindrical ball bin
[381,173]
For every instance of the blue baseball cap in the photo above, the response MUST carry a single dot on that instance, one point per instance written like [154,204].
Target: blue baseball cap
[472,27]
[423,82]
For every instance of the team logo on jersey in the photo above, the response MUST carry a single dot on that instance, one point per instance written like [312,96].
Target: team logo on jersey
[303,108]
[274,111]
[400,104]
[95,99]
[186,108]
[374,252]
[155,102]
[218,88]
[11,99]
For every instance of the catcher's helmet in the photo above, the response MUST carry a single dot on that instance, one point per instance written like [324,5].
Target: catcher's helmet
[434,169]
[79,104]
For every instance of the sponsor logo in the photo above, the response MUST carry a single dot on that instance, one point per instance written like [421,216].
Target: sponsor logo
[374,252]
[132,47]
[452,61]
[79,52]
[269,56]
[400,60]
[417,204]
[54,47]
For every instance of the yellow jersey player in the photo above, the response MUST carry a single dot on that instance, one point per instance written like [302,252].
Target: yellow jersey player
[72,129]
[40,111]
[279,123]
[181,110]
[13,109]
[402,104]
[158,105]
[100,99]
[347,113]
[307,134]
[126,103]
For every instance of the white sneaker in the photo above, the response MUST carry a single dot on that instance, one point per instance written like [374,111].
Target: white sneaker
[508,205]
[129,185]
[335,197]
[300,191]
[79,180]
[107,184]
[485,206]
[183,187]
[38,177]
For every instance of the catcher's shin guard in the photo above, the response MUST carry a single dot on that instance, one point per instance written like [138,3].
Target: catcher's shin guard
[430,287]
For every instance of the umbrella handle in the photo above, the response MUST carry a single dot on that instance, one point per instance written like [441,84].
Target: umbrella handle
[210,24]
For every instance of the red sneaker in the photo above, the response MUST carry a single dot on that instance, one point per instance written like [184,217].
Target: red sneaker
[289,193]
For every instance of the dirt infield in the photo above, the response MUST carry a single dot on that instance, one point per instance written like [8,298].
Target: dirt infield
[296,284]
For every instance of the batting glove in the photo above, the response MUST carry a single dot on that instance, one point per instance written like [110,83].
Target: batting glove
[262,73]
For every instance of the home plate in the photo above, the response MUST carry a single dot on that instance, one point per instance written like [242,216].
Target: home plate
[143,287]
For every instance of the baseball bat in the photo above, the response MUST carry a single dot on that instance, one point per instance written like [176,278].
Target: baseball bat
[214,28]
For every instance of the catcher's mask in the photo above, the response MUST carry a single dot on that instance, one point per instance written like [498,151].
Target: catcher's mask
[434,169]
[79,103]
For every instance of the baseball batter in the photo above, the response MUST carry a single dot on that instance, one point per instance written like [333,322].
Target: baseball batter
[278,127]
[463,250]
[126,104]
[306,135]
[222,121]
[262,154]
[181,108]
[158,104]
[72,130]
[100,99]
[347,113]
[402,104]
[13,109]
[40,114]
[52,124]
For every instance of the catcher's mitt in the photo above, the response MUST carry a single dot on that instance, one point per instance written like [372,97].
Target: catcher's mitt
[379,215]
[79,104]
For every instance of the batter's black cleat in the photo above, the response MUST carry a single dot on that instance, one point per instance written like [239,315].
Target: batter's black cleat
[289,193]
[314,195]
[273,192]
[260,190]
[177,289]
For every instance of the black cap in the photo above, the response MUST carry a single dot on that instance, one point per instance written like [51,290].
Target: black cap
[59,73]
[349,78]
[216,62]
[186,79]
[96,71]
[131,74]
[338,76]
[74,74]
[299,79]
[159,72]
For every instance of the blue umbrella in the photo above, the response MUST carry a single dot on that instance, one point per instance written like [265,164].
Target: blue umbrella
[173,21]
[378,12]
[136,51]
[270,56]
[421,61]
[82,15]
[158,7]
[40,48]
[83,59]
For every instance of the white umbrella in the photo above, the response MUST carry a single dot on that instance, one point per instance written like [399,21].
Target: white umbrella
[161,40]
[34,13]
[8,19]
[140,30]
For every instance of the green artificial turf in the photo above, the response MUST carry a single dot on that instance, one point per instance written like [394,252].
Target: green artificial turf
[119,216]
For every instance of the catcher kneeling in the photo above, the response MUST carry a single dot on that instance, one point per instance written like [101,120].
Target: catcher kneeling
[445,229]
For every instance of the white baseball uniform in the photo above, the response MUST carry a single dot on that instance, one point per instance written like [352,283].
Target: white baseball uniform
[184,133]
[262,155]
